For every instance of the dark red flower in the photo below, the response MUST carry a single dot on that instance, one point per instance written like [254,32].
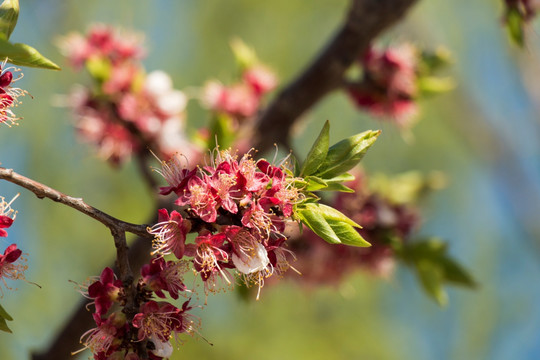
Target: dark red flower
[105,291]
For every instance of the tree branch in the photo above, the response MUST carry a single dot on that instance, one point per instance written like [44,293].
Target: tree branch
[365,20]
[44,191]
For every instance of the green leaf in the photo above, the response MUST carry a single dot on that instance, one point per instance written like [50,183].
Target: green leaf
[25,55]
[9,14]
[346,154]
[3,326]
[315,183]
[432,61]
[3,317]
[99,68]
[331,225]
[318,225]
[431,85]
[245,56]
[338,187]
[431,278]
[4,314]
[456,274]
[435,267]
[222,132]
[514,22]
[318,151]
[335,184]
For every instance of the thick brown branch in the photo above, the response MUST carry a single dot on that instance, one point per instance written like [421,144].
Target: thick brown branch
[44,191]
[366,19]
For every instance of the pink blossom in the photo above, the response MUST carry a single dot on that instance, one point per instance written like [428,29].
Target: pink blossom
[120,79]
[158,320]
[176,174]
[249,254]
[170,232]
[12,265]
[210,260]
[7,215]
[105,291]
[261,79]
[101,41]
[238,100]
[389,85]
[105,338]
[161,275]
[257,218]
[201,197]
[9,95]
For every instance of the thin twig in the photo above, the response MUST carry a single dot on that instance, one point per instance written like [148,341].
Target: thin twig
[44,191]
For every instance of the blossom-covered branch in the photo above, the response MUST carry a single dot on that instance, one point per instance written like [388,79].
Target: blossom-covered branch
[366,20]
[44,191]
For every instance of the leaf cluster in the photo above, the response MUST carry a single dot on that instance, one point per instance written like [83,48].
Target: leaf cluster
[326,169]
[434,267]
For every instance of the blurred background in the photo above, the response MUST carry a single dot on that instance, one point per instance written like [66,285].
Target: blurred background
[484,135]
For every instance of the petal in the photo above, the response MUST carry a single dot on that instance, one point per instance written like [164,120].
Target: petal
[107,276]
[5,221]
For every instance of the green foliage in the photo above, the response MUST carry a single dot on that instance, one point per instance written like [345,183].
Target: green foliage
[432,85]
[9,14]
[18,54]
[99,68]
[514,23]
[434,267]
[331,225]
[408,187]
[244,55]
[3,317]
[222,129]
[318,151]
[346,154]
[25,55]
[430,62]
[325,169]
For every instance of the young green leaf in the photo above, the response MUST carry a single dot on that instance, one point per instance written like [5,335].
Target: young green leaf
[3,317]
[9,14]
[331,225]
[4,314]
[99,68]
[25,55]
[346,154]
[315,183]
[434,267]
[222,132]
[318,151]
[245,56]
[316,222]
[431,278]
[514,22]
[336,183]
[431,85]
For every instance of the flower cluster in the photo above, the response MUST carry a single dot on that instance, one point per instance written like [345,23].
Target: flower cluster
[8,94]
[239,208]
[388,86]
[384,223]
[127,110]
[240,100]
[115,335]
[12,262]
